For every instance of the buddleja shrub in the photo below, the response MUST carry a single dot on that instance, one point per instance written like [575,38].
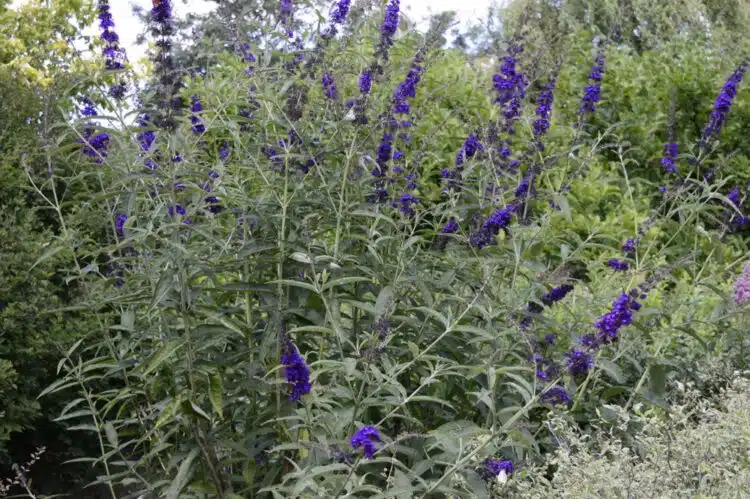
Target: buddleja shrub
[316,279]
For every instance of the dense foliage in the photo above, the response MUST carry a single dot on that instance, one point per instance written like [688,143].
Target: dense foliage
[336,258]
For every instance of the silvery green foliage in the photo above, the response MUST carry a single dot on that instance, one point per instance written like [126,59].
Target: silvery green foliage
[699,450]
[267,330]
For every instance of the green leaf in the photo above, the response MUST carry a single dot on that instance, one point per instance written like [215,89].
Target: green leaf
[183,475]
[612,369]
[384,301]
[163,287]
[458,429]
[111,433]
[344,280]
[46,255]
[657,379]
[215,394]
[169,349]
[295,284]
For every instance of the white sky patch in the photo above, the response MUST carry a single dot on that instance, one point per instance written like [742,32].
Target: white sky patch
[128,27]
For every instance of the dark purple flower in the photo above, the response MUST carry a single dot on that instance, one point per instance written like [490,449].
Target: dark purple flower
[544,108]
[213,204]
[176,210]
[114,55]
[620,315]
[619,265]
[470,148]
[162,11]
[735,195]
[95,144]
[89,109]
[556,294]
[390,23]
[723,103]
[578,362]
[196,108]
[500,219]
[120,220]
[223,153]
[329,86]
[366,437]
[524,189]
[407,89]
[549,339]
[384,153]
[668,160]
[296,372]
[451,227]
[557,395]
[339,12]
[592,93]
[492,468]
[629,246]
[407,203]
[285,10]
[365,81]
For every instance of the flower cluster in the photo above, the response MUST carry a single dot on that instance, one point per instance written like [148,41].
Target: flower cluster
[669,157]
[365,81]
[629,246]
[742,286]
[451,227]
[120,220]
[95,144]
[619,316]
[723,103]
[285,13]
[338,16]
[556,294]
[146,137]
[162,28]
[329,86]
[544,108]
[366,437]
[470,148]
[408,88]
[578,361]
[296,372]
[510,84]
[557,395]
[592,93]
[500,219]
[389,27]
[406,204]
[114,55]
[493,469]
[196,108]
[619,265]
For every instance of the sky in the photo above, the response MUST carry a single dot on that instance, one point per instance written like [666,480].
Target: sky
[128,27]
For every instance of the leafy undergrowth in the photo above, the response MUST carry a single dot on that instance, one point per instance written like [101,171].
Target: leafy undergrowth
[701,449]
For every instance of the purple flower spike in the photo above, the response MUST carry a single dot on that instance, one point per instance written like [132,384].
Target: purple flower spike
[120,220]
[723,103]
[578,362]
[365,81]
[619,265]
[557,395]
[390,23]
[296,372]
[329,86]
[366,437]
[592,93]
